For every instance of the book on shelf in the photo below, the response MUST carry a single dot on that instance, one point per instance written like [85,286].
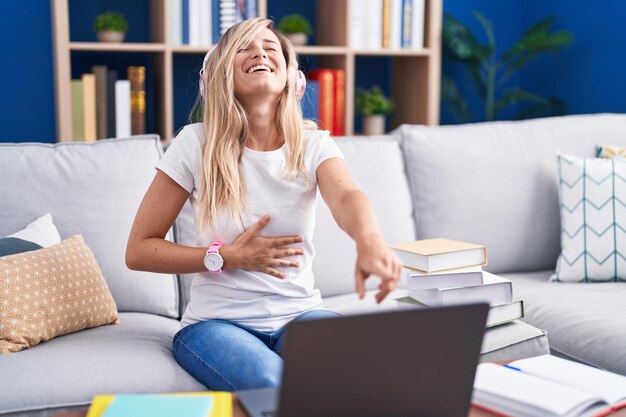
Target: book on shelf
[548,386]
[198,404]
[111,100]
[495,290]
[417,22]
[100,72]
[78,117]
[122,108]
[498,314]
[430,255]
[461,277]
[331,98]
[137,78]
[176,21]
[89,106]
[310,100]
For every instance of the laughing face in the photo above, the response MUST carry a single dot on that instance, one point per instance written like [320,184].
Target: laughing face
[260,67]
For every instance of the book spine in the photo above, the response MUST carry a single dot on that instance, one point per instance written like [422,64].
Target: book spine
[419,8]
[407,17]
[78,116]
[396,24]
[228,15]
[122,108]
[204,21]
[357,16]
[100,71]
[215,20]
[176,21]
[251,9]
[340,102]
[185,22]
[89,106]
[310,101]
[195,15]
[137,78]
[326,110]
[111,100]
[386,23]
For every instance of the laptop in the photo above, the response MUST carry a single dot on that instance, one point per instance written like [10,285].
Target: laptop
[407,363]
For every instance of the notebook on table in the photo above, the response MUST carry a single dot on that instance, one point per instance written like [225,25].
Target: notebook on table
[401,363]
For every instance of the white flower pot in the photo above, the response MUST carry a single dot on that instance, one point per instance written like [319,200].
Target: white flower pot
[111,36]
[374,125]
[298,39]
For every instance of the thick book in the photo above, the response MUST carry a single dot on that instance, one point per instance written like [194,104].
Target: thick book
[137,78]
[78,118]
[548,386]
[418,20]
[100,71]
[461,277]
[111,80]
[498,314]
[430,255]
[495,290]
[89,107]
[176,21]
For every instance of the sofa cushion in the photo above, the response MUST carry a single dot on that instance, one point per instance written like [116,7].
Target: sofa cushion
[376,166]
[584,322]
[509,341]
[93,189]
[38,234]
[135,356]
[592,194]
[496,183]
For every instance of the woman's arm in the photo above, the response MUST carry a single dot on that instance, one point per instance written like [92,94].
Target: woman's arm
[147,249]
[355,215]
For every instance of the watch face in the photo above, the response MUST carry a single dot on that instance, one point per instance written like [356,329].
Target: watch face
[213,262]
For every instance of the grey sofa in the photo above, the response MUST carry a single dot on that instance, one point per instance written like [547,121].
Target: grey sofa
[490,183]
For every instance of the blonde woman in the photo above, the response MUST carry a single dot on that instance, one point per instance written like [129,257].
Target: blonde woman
[251,171]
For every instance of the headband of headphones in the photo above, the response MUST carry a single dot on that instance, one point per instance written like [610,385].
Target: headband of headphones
[299,79]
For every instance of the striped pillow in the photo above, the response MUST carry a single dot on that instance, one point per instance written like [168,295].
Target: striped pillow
[592,194]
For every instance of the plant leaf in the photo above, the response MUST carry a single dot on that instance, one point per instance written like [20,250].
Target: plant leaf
[459,39]
[454,101]
[540,105]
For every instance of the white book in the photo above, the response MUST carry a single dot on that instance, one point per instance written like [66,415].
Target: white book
[372,34]
[417,31]
[357,24]
[176,21]
[195,22]
[205,23]
[122,108]
[395,29]
[498,314]
[495,290]
[548,386]
[461,277]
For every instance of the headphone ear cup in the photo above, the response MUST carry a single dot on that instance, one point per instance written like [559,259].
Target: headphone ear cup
[201,87]
[300,81]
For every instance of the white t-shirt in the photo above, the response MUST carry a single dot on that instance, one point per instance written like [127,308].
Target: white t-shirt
[254,298]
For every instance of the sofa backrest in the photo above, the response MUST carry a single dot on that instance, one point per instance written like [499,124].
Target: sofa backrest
[93,190]
[496,183]
[377,167]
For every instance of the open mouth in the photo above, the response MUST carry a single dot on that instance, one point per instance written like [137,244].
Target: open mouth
[259,68]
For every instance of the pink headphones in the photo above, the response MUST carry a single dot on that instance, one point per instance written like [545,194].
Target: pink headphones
[300,79]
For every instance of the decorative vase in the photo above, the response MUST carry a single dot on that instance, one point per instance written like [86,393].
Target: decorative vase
[374,124]
[107,36]
[299,39]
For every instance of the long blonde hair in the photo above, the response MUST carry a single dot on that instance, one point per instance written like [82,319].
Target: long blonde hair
[226,124]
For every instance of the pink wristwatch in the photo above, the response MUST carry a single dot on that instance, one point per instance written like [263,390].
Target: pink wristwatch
[213,261]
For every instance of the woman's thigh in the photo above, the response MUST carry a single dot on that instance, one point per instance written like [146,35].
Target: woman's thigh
[225,357]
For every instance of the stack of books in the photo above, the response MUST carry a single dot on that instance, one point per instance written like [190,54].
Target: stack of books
[324,99]
[442,272]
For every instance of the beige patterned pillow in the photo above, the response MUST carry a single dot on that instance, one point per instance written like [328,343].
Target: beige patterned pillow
[610,151]
[50,292]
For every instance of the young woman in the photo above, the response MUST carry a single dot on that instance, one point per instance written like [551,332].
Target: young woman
[251,171]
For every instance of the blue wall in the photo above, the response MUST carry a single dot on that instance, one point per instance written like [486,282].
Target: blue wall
[588,76]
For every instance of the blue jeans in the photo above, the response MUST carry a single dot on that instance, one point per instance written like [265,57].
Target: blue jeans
[226,356]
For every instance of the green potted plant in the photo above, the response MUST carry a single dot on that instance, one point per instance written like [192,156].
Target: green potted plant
[489,73]
[110,26]
[373,105]
[297,27]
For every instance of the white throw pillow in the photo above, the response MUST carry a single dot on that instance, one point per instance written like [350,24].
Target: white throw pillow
[41,233]
[592,194]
